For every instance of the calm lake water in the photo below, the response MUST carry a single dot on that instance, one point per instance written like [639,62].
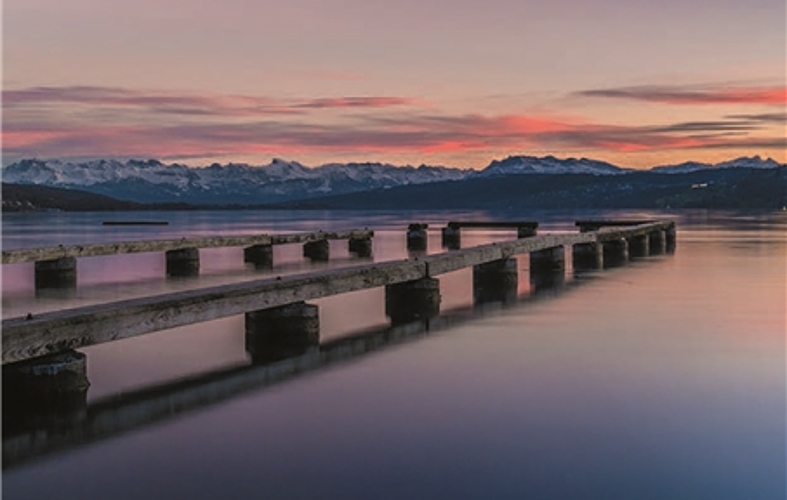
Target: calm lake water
[661,379]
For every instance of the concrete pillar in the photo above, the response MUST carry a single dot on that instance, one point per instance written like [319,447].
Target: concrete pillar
[183,262]
[452,238]
[51,382]
[57,273]
[317,250]
[412,300]
[658,242]
[587,227]
[417,236]
[362,247]
[282,332]
[548,259]
[639,246]
[259,255]
[587,256]
[495,281]
[616,252]
[525,231]
[671,238]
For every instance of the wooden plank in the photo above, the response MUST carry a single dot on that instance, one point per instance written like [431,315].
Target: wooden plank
[613,233]
[468,257]
[57,331]
[492,224]
[283,239]
[122,247]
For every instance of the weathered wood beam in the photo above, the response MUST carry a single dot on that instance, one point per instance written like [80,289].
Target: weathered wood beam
[121,247]
[42,334]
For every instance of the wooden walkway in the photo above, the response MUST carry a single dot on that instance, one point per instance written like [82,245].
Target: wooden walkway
[53,332]
[123,247]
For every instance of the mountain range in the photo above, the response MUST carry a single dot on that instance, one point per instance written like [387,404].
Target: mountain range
[289,182]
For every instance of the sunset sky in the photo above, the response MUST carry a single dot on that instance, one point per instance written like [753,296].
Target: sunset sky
[442,82]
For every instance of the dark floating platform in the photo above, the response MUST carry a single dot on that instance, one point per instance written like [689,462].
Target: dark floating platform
[135,223]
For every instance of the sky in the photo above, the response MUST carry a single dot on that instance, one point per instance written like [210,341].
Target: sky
[439,82]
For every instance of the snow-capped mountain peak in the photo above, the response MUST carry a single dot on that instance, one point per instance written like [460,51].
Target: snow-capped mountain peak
[742,162]
[549,165]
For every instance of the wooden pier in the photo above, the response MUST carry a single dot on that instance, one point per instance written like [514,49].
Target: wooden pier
[279,323]
[56,266]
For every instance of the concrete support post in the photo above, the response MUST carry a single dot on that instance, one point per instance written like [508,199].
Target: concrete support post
[671,237]
[417,236]
[362,247]
[47,382]
[586,228]
[183,262]
[548,259]
[658,242]
[317,250]
[259,255]
[57,273]
[587,256]
[495,281]
[525,231]
[639,246]
[412,300]
[451,238]
[282,332]
[616,252]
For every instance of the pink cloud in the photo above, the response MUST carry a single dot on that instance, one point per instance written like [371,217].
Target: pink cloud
[186,104]
[358,102]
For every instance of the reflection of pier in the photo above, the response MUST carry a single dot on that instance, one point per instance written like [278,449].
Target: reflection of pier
[56,266]
[31,433]
[40,364]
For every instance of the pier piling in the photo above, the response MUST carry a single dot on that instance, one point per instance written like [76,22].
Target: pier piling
[495,281]
[658,242]
[362,247]
[259,255]
[639,246]
[319,250]
[183,262]
[53,382]
[282,332]
[587,256]
[417,236]
[412,300]
[616,252]
[526,231]
[451,238]
[56,273]
[548,259]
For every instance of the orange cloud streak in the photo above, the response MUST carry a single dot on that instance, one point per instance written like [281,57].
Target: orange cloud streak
[230,125]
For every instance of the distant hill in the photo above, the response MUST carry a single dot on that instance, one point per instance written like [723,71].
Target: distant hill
[733,188]
[25,198]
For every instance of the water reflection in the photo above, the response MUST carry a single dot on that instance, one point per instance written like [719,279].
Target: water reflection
[32,432]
